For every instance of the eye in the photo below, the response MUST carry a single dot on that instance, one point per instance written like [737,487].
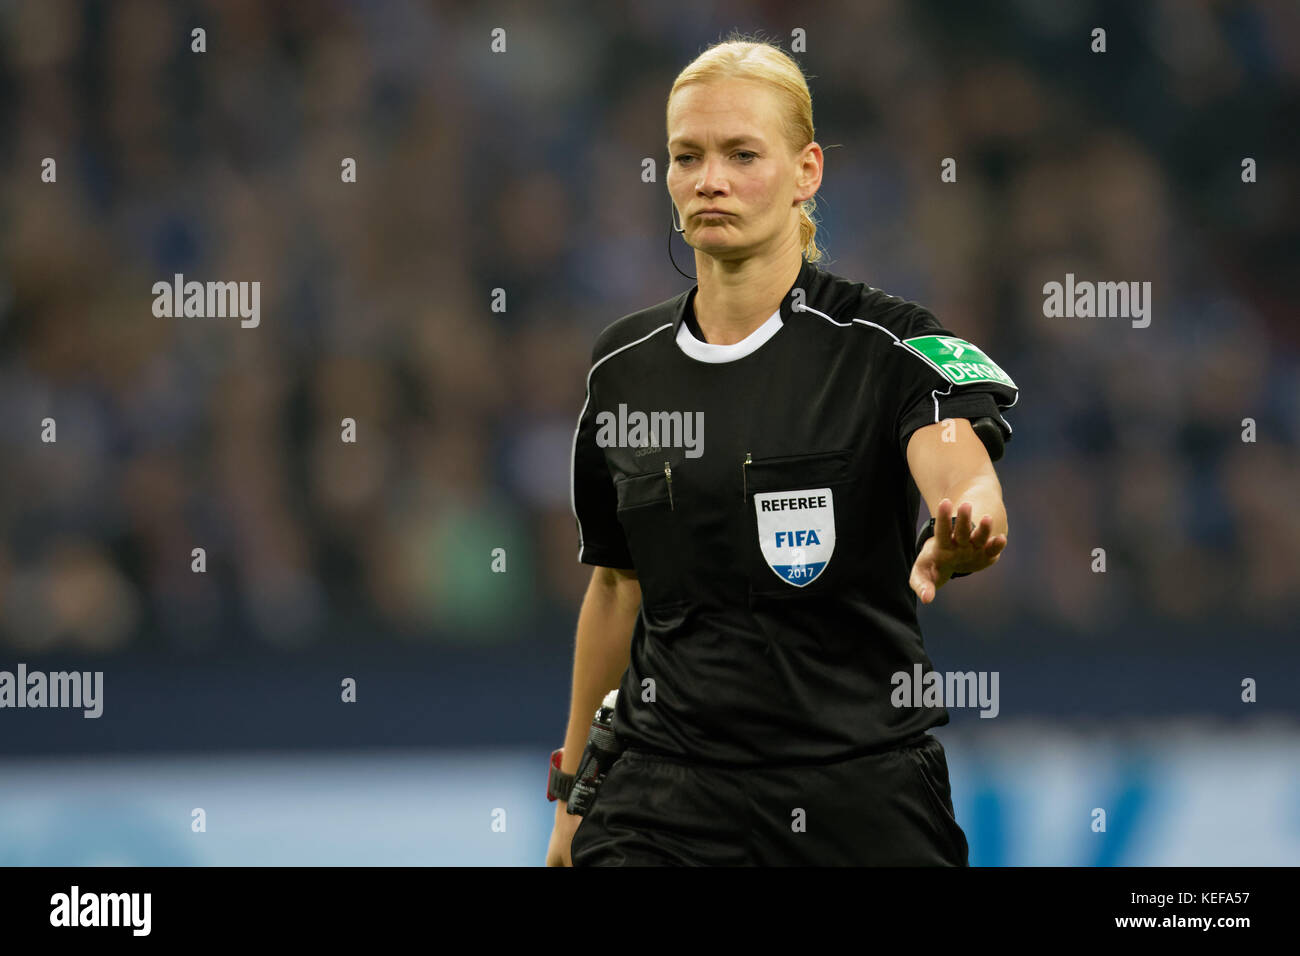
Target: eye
[680,159]
[745,152]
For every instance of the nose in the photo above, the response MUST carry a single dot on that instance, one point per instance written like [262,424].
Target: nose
[709,183]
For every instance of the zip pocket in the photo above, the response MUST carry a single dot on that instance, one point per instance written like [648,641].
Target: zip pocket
[644,491]
[646,510]
[795,508]
[779,473]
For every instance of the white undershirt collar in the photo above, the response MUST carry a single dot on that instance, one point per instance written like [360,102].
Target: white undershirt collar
[708,352]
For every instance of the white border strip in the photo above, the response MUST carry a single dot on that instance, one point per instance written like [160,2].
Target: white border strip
[573,457]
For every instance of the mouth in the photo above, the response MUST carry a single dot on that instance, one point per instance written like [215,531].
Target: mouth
[711,213]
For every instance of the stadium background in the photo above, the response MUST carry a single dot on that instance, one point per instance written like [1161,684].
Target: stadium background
[521,171]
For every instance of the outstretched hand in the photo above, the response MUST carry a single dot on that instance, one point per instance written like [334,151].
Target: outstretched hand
[962,548]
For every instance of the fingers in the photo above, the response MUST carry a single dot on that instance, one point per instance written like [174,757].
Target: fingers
[921,584]
[961,531]
[951,535]
[967,546]
[943,524]
[966,532]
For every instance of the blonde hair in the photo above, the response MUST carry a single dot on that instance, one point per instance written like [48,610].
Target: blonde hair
[742,58]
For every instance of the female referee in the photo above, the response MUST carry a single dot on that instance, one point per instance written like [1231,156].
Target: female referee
[745,480]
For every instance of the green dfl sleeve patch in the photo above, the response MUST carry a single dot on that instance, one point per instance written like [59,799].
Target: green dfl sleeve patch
[957,360]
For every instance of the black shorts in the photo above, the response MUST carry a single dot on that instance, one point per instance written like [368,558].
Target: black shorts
[886,809]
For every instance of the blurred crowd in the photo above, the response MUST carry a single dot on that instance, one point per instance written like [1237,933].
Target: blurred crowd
[520,171]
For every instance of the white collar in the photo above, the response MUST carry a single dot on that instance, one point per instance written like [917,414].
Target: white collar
[708,352]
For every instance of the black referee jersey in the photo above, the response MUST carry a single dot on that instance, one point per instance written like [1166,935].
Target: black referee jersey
[762,493]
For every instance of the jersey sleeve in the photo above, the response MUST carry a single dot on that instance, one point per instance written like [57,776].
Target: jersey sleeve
[941,375]
[593,497]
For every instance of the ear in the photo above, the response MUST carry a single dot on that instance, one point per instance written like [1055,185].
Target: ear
[810,172]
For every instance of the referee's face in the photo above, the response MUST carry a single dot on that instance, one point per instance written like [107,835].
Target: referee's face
[726,152]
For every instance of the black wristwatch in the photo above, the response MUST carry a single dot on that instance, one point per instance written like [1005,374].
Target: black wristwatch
[928,532]
[559,784]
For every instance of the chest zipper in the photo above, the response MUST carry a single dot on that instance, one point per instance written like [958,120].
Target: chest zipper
[744,476]
[668,476]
